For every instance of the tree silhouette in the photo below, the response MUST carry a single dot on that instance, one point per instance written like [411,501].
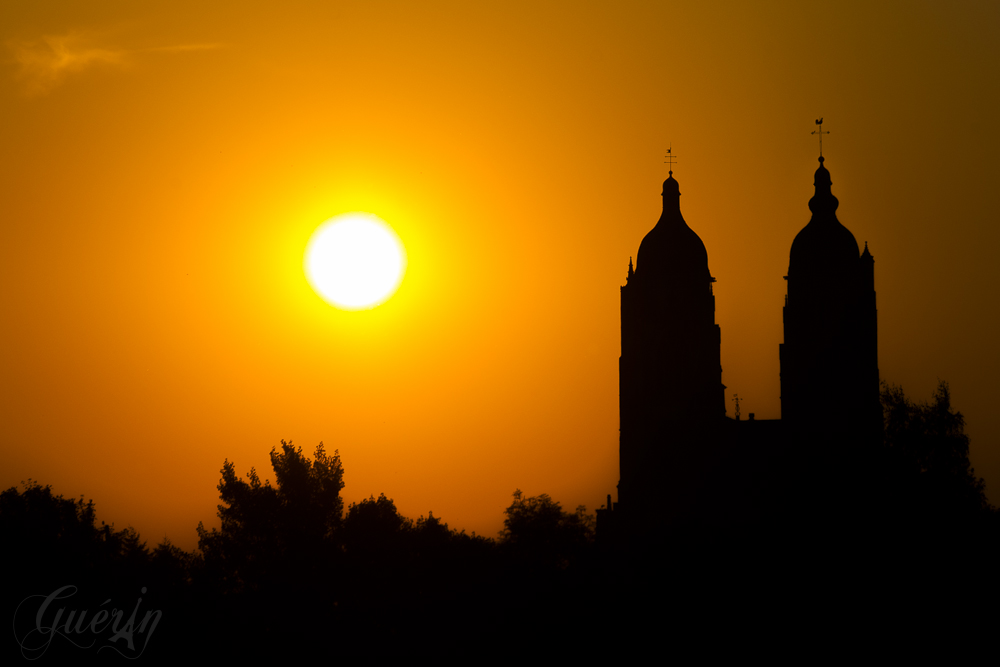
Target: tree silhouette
[537,530]
[41,522]
[275,536]
[929,451]
[309,491]
[51,541]
[374,529]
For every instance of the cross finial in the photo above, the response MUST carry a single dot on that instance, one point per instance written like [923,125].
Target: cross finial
[670,159]
[820,132]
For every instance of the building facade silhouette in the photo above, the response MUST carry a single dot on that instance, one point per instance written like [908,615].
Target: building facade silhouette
[683,462]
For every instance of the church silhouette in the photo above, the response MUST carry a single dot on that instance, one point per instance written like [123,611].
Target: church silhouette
[684,464]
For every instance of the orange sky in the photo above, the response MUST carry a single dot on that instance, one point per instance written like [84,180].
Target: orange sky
[163,165]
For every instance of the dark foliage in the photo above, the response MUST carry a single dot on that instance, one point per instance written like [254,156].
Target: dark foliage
[538,531]
[929,451]
[369,572]
[375,523]
[275,536]
[50,538]
[291,572]
[52,543]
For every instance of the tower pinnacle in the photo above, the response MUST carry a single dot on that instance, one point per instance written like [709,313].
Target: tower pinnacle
[820,132]
[670,159]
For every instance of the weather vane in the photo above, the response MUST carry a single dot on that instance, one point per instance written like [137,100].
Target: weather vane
[820,132]
[670,158]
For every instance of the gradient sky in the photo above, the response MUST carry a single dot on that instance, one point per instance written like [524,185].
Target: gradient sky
[163,165]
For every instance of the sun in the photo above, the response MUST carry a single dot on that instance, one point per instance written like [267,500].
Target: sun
[355,261]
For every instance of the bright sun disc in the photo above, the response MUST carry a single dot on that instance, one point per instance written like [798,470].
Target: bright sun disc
[355,261]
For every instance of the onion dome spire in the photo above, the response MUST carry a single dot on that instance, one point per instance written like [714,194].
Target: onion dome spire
[823,202]
[824,245]
[672,251]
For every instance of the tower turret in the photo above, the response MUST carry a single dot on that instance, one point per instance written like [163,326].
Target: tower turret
[829,357]
[670,372]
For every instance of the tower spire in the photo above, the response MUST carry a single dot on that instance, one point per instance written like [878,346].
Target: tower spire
[820,132]
[670,159]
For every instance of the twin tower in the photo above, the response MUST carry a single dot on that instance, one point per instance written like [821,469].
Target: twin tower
[681,457]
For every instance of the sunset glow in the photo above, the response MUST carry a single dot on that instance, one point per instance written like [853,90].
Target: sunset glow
[355,261]
[166,166]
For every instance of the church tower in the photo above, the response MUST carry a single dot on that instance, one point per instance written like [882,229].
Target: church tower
[670,373]
[829,360]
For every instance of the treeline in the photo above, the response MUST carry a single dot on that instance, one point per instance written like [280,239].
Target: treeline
[293,573]
[291,569]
